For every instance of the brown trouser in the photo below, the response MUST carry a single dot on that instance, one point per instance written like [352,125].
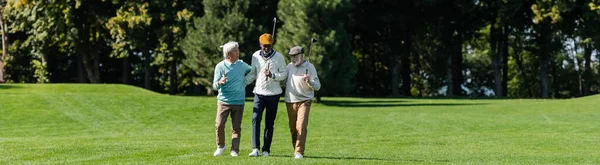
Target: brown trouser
[236,111]
[298,115]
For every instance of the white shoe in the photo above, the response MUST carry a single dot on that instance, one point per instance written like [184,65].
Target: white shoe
[254,153]
[265,153]
[298,156]
[234,154]
[219,151]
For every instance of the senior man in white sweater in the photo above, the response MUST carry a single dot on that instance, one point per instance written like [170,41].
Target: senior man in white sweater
[268,69]
[300,86]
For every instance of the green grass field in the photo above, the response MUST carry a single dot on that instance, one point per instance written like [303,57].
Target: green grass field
[118,124]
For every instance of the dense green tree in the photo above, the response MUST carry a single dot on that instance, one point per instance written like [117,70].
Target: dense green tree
[4,40]
[502,48]
[131,32]
[63,27]
[325,21]
[153,29]
[223,21]
[384,32]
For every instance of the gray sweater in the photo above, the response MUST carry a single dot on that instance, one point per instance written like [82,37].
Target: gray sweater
[296,89]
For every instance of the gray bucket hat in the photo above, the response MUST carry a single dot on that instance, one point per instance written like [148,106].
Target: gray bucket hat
[296,50]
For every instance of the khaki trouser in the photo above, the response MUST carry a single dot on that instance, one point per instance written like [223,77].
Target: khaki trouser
[236,111]
[298,115]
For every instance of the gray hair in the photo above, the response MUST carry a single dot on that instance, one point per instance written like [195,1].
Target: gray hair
[228,47]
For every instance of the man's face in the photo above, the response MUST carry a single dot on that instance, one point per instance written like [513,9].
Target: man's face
[296,59]
[266,48]
[234,55]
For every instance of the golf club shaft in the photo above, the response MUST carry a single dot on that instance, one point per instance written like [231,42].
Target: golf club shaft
[310,49]
[274,25]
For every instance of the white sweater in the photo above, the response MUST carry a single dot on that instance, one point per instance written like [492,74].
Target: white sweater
[267,86]
[296,89]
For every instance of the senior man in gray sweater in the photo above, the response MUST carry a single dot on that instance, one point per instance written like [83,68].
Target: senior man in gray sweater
[300,86]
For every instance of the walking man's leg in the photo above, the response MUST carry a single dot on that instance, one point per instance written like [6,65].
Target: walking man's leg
[236,121]
[270,115]
[292,114]
[257,110]
[222,113]
[302,125]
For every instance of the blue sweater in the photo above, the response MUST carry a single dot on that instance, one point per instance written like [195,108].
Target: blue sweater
[233,92]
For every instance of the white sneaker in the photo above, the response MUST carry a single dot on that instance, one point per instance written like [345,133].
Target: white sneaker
[219,151]
[298,156]
[234,154]
[265,153]
[254,153]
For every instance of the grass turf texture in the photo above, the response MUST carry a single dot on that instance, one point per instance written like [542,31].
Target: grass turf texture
[110,124]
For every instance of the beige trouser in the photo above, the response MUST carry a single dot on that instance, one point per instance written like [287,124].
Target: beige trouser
[298,115]
[236,111]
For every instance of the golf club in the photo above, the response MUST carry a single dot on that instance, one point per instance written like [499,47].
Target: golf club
[312,40]
[274,23]
[273,35]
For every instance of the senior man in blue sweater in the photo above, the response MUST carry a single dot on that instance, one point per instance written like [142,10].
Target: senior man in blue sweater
[229,82]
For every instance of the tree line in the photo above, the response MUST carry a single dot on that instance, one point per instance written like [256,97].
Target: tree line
[500,48]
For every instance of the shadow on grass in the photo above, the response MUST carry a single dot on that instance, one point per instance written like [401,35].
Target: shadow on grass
[5,86]
[282,100]
[390,103]
[359,158]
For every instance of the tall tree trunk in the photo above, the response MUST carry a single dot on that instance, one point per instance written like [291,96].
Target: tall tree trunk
[88,62]
[125,70]
[147,70]
[394,73]
[457,60]
[406,78]
[85,49]
[450,90]
[555,86]
[521,69]
[4,47]
[419,81]
[587,73]
[2,69]
[495,60]
[578,68]
[542,41]
[405,65]
[522,72]
[448,51]
[374,74]
[96,61]
[80,70]
[173,77]
[544,75]
[505,60]
[454,73]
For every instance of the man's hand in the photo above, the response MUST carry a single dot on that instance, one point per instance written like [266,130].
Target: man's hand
[305,77]
[223,80]
[267,73]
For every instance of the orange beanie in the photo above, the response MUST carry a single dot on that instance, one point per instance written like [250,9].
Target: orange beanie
[266,39]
